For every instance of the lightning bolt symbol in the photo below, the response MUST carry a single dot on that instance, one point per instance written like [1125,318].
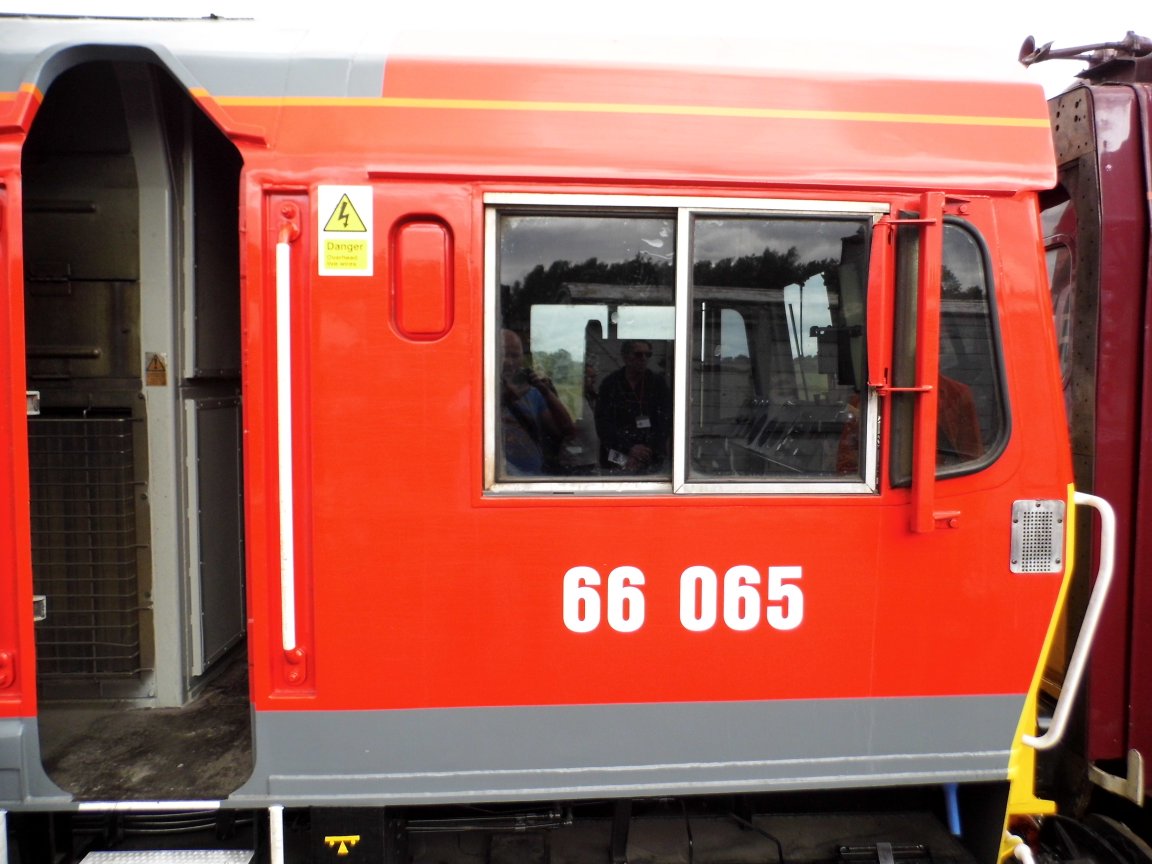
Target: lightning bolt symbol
[343,214]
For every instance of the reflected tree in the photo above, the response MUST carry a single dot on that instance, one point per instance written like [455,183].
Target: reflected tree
[548,285]
[769,269]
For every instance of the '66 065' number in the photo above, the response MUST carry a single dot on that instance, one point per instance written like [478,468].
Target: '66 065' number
[740,600]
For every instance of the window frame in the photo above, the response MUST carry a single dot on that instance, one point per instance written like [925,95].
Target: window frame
[902,425]
[682,209]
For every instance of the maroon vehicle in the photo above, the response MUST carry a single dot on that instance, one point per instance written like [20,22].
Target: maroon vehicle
[1096,228]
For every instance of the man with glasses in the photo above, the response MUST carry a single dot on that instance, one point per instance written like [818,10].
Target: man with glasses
[633,415]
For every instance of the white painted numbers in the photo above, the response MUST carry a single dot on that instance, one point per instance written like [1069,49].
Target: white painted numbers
[624,603]
[740,601]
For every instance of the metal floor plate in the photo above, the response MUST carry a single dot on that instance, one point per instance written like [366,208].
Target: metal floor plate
[184,856]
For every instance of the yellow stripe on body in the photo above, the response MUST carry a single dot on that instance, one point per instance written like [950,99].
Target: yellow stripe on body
[636,109]
[24,88]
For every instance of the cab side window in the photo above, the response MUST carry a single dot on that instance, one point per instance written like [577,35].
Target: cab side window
[777,352]
[683,349]
[586,323]
[972,418]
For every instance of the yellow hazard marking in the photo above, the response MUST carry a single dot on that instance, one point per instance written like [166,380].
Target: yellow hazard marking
[344,217]
[345,230]
[345,255]
[342,842]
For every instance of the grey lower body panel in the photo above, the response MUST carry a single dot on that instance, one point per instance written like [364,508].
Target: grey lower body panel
[22,777]
[553,752]
[460,755]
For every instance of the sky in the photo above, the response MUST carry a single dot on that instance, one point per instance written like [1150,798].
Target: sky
[973,37]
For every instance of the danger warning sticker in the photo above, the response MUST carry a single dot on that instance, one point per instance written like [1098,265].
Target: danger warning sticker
[155,369]
[345,235]
[345,217]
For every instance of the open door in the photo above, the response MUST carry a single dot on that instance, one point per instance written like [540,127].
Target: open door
[131,245]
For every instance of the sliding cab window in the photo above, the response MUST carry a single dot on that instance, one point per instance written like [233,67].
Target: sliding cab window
[585,346]
[972,416]
[777,349]
[678,349]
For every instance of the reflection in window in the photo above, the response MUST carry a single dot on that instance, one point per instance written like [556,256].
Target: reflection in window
[777,348]
[1059,220]
[971,419]
[771,386]
[1059,260]
[587,324]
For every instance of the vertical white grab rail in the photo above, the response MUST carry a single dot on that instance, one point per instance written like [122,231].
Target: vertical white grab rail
[1087,635]
[284,438]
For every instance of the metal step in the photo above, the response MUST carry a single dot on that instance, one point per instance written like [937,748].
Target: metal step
[179,856]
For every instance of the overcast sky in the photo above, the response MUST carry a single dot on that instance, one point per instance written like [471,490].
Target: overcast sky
[962,37]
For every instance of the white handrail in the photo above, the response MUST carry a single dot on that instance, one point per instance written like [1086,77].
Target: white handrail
[284,442]
[1020,850]
[1084,640]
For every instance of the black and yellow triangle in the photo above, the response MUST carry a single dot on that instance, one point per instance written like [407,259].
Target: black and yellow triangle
[345,217]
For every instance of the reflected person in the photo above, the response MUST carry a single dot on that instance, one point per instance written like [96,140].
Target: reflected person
[533,419]
[633,414]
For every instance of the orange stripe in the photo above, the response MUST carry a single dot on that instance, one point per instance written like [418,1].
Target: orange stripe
[636,109]
[25,88]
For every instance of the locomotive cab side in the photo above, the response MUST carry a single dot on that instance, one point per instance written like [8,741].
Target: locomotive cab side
[614,454]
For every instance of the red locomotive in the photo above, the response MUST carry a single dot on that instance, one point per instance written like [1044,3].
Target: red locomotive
[432,453]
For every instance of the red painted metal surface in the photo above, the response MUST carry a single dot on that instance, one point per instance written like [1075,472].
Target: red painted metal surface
[427,593]
[17,651]
[583,122]
[415,589]
[422,278]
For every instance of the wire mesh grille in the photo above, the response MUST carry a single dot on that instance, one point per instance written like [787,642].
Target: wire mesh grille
[84,546]
[1037,536]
